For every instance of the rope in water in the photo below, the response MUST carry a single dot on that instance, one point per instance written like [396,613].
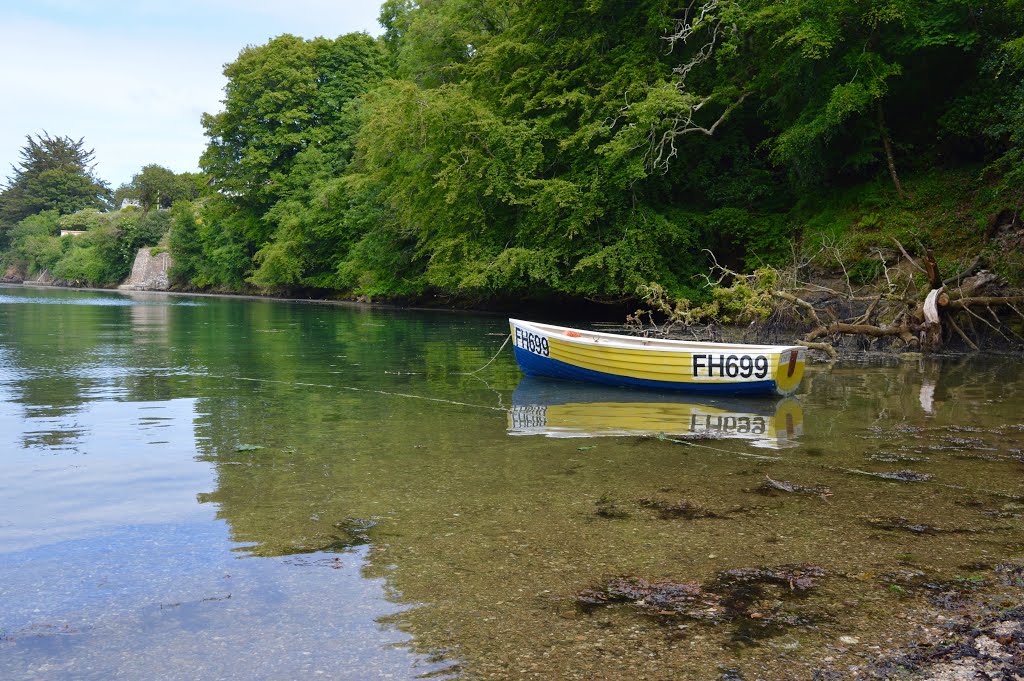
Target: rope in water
[359,390]
[469,404]
[386,392]
[689,443]
[747,455]
[466,404]
[470,373]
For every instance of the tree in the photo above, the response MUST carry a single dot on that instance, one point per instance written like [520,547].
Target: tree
[54,173]
[282,98]
[284,133]
[491,172]
[158,187]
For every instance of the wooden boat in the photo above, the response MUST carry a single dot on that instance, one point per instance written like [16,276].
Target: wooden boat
[560,409]
[636,362]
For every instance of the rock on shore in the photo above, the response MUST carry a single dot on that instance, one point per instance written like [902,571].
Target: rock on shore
[149,273]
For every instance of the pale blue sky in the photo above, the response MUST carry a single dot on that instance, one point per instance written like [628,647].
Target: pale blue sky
[134,77]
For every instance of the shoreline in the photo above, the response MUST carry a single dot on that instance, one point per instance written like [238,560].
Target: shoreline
[251,296]
[736,333]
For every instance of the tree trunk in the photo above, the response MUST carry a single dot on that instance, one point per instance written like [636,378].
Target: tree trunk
[890,159]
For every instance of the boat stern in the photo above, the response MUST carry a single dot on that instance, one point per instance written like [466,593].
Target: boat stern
[789,370]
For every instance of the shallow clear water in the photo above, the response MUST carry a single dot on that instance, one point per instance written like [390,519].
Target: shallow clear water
[225,488]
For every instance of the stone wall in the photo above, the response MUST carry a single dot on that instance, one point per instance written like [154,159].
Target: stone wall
[149,273]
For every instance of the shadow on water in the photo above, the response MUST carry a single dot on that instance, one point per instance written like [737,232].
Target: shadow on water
[319,437]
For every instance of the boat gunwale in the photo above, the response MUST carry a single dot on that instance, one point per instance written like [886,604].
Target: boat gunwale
[623,342]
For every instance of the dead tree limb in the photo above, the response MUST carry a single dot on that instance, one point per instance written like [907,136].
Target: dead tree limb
[967,271]
[827,348]
[932,270]
[964,303]
[894,310]
[907,256]
[975,315]
[862,330]
[801,303]
[890,157]
[931,329]
[960,332]
[871,309]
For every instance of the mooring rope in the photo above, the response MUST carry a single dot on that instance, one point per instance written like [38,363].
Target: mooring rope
[691,443]
[352,388]
[470,373]
[470,404]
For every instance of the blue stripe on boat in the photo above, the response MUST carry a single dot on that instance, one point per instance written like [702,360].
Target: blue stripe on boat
[535,365]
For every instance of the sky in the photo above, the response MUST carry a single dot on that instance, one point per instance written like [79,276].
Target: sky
[133,77]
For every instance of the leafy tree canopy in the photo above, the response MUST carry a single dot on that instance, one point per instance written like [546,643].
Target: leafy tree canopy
[55,173]
[285,132]
[541,148]
[282,98]
[157,187]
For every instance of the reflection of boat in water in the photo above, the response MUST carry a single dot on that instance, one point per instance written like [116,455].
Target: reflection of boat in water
[655,363]
[557,409]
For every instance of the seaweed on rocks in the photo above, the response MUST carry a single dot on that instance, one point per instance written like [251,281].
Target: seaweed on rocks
[752,599]
[346,534]
[796,578]
[658,597]
[902,524]
[987,645]
[1011,574]
[899,476]
[689,510]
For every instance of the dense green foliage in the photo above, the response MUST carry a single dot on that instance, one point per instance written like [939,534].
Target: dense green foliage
[54,191]
[55,173]
[102,256]
[157,187]
[489,148]
[284,134]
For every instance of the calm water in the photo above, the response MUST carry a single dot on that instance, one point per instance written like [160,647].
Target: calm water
[233,489]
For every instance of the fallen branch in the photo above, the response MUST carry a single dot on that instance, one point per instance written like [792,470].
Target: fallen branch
[964,303]
[801,303]
[907,256]
[968,271]
[864,318]
[862,330]
[827,348]
[768,299]
[931,330]
[960,332]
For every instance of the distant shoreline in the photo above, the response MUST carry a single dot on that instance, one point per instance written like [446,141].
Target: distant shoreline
[250,296]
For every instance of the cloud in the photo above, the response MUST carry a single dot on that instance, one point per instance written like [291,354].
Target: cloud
[125,95]
[319,17]
[133,79]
